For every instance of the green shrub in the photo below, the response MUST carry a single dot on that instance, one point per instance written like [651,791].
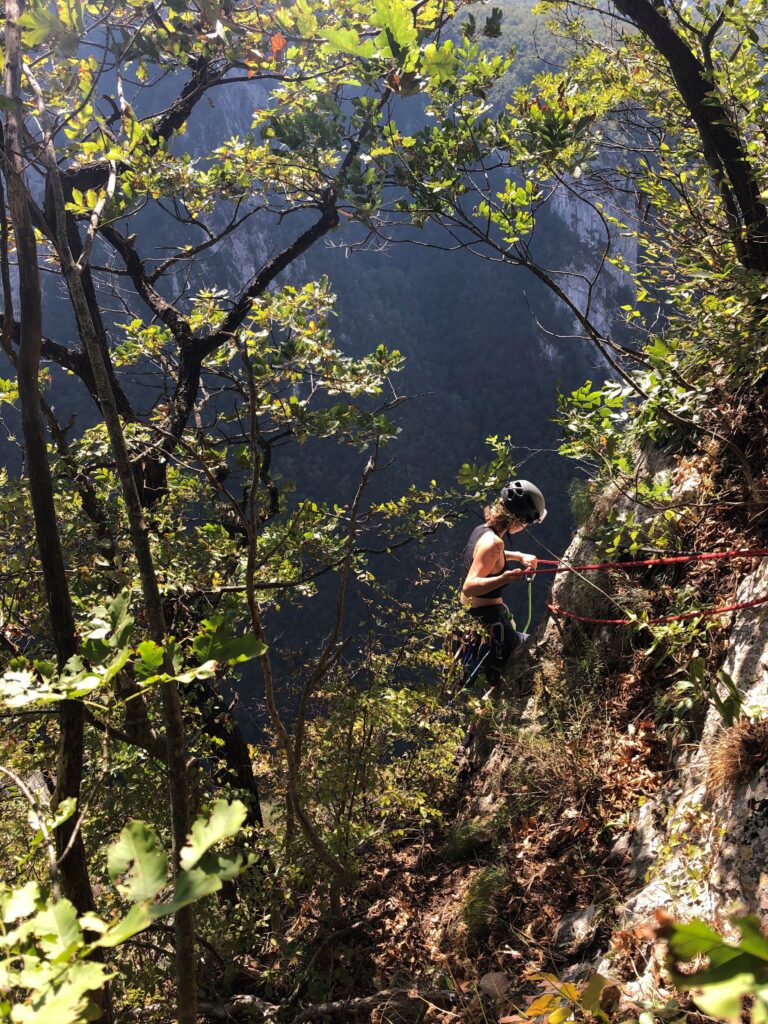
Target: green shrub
[581,500]
[576,694]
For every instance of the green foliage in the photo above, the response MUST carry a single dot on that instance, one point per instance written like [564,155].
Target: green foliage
[687,269]
[485,162]
[480,481]
[215,642]
[9,392]
[224,821]
[138,855]
[698,689]
[581,495]
[138,866]
[577,694]
[396,767]
[42,952]
[672,641]
[730,704]
[594,418]
[733,972]
[41,26]
[106,653]
[48,973]
[559,1001]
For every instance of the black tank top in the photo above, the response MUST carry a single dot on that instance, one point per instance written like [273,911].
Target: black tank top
[469,552]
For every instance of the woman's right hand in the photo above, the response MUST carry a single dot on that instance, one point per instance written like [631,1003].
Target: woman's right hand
[511,574]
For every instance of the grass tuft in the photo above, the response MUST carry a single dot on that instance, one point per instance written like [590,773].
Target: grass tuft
[737,754]
[465,840]
[480,907]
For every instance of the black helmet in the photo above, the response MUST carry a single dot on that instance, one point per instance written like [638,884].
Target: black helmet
[524,500]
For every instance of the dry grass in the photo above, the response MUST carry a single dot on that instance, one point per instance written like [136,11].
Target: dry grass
[545,773]
[738,753]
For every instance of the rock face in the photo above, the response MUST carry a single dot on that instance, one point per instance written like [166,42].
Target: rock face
[576,930]
[712,850]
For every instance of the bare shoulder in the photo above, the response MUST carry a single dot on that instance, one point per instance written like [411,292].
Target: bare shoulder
[488,543]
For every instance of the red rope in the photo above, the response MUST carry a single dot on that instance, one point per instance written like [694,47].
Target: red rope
[705,613]
[669,560]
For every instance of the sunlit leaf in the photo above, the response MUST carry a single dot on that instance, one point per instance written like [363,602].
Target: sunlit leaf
[223,822]
[137,863]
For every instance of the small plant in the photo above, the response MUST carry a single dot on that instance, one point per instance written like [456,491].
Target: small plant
[685,702]
[575,695]
[683,863]
[559,1001]
[672,641]
[548,772]
[465,840]
[581,496]
[481,901]
[729,705]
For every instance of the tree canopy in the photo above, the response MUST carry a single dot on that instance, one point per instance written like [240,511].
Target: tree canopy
[166,536]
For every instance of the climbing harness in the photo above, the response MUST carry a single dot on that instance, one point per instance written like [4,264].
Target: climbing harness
[559,566]
[461,642]
[480,646]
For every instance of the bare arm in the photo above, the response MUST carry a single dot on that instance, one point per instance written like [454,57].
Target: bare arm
[528,561]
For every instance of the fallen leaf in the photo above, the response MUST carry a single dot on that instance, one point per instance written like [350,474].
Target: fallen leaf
[495,984]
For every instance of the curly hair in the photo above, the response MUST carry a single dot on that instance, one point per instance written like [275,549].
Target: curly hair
[498,517]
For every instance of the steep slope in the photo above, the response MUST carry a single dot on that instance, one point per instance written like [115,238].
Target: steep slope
[618,775]
[621,772]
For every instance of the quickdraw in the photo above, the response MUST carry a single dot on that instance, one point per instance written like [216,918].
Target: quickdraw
[527,625]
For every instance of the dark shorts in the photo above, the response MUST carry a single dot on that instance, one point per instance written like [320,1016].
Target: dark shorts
[492,639]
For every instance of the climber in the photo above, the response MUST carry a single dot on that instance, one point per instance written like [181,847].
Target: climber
[492,636]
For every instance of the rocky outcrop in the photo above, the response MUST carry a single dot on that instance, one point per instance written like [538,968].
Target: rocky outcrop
[711,847]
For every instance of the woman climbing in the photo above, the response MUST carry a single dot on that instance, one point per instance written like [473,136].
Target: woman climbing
[489,571]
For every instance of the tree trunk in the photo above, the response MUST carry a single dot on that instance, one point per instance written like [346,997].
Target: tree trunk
[178,773]
[73,867]
[723,149]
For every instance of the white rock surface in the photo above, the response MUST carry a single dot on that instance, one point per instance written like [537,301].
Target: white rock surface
[576,930]
[711,857]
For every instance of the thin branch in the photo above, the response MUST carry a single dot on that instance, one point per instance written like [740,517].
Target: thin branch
[50,846]
[95,218]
